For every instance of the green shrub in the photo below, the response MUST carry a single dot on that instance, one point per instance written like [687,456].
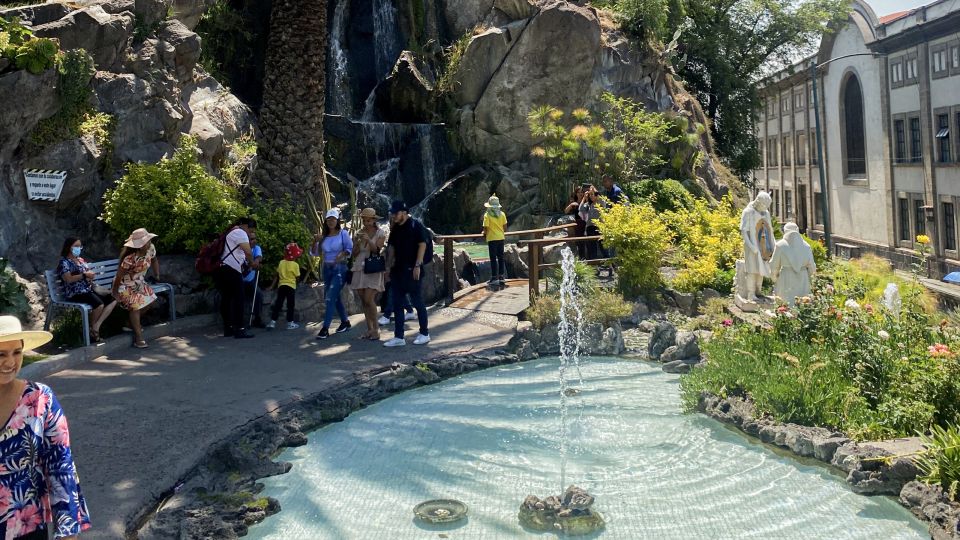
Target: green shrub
[940,463]
[278,224]
[640,239]
[544,310]
[664,195]
[175,199]
[37,55]
[585,278]
[452,56]
[13,301]
[819,251]
[606,307]
[708,245]
[75,117]
[67,329]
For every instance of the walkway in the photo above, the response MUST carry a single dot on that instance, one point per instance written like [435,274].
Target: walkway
[139,421]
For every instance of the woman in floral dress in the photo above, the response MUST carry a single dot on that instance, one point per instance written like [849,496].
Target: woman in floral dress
[129,287]
[38,479]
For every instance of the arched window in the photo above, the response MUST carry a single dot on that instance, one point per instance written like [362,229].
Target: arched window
[854,138]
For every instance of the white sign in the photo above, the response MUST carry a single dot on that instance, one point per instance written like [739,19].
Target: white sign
[44,185]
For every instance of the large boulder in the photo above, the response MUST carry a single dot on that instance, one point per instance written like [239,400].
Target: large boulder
[27,99]
[463,15]
[189,12]
[103,35]
[37,14]
[663,337]
[405,96]
[217,118]
[146,122]
[179,49]
[81,159]
[552,63]
[480,61]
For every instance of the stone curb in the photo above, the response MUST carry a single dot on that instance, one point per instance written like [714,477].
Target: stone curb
[75,357]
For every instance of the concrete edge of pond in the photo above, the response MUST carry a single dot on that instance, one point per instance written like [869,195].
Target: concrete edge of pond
[218,497]
[866,470]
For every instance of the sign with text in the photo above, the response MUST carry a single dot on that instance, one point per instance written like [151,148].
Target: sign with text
[44,185]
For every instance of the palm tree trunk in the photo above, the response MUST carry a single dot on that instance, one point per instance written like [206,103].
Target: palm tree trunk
[291,119]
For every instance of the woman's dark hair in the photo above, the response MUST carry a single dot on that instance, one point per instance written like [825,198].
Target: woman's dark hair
[330,232]
[67,244]
[248,221]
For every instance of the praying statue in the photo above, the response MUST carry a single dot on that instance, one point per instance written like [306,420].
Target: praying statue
[792,266]
[757,234]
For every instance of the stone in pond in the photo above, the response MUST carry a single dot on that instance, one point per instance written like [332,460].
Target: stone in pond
[571,513]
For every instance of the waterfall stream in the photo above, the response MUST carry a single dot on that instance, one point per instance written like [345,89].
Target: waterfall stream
[339,86]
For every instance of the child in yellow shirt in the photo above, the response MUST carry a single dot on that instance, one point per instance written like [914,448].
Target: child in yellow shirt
[494,225]
[288,272]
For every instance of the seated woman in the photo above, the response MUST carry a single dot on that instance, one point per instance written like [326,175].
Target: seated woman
[130,285]
[39,483]
[78,285]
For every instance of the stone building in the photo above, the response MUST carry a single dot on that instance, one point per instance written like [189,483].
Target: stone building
[889,99]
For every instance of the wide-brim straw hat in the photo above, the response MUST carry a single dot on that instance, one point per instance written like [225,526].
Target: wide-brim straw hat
[12,330]
[139,238]
[492,202]
[369,213]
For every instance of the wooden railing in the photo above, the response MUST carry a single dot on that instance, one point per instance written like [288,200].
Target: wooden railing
[449,271]
[535,255]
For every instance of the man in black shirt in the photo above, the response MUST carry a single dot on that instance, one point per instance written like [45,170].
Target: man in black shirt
[405,251]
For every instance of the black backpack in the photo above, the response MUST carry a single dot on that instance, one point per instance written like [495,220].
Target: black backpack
[428,253]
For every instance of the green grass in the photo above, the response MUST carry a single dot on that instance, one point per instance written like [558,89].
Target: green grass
[476,251]
[31,358]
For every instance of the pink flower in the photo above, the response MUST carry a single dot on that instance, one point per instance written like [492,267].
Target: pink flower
[61,435]
[782,309]
[6,499]
[939,350]
[727,323]
[25,520]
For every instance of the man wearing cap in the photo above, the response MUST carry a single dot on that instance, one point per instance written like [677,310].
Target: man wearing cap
[406,248]
[236,253]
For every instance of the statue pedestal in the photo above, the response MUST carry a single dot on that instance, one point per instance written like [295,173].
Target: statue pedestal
[752,306]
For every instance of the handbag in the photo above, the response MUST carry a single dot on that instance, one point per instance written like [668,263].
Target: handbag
[374,264]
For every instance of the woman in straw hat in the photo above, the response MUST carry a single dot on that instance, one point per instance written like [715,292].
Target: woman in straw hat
[368,277]
[129,287]
[494,225]
[39,484]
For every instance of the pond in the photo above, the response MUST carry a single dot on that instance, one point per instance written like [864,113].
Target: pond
[491,438]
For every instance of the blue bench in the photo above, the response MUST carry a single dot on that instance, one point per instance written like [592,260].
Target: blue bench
[105,272]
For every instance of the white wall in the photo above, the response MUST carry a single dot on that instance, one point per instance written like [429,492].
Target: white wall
[855,211]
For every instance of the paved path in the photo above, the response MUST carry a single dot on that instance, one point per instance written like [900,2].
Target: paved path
[139,421]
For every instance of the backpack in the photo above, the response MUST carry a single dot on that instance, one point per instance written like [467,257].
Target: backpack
[211,257]
[427,253]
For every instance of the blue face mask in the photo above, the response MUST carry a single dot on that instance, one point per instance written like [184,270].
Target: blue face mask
[76,251]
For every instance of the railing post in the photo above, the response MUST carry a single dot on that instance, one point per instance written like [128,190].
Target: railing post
[449,270]
[534,256]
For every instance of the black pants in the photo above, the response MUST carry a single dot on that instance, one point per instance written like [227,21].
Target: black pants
[498,267]
[593,246]
[39,534]
[232,298]
[402,283]
[386,300]
[91,299]
[289,294]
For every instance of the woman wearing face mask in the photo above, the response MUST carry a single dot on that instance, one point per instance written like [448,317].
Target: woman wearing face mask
[39,483]
[78,285]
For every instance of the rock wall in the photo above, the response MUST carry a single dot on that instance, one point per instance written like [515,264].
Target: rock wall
[152,86]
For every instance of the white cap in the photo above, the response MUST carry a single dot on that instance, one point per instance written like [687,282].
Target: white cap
[332,213]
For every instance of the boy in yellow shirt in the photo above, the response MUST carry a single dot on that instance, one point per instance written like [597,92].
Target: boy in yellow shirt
[494,225]
[288,272]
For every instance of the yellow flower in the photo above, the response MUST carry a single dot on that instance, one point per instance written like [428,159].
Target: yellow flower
[923,239]
[538,152]
[579,132]
[556,115]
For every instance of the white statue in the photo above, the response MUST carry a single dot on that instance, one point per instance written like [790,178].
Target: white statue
[891,298]
[792,266]
[757,234]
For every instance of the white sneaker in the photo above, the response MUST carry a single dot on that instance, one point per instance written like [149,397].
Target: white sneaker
[271,325]
[421,339]
[409,316]
[394,342]
[292,325]
[383,320]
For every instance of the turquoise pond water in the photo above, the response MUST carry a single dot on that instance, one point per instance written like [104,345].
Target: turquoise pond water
[491,438]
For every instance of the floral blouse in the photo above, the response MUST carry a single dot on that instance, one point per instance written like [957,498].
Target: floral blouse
[38,480]
[78,287]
